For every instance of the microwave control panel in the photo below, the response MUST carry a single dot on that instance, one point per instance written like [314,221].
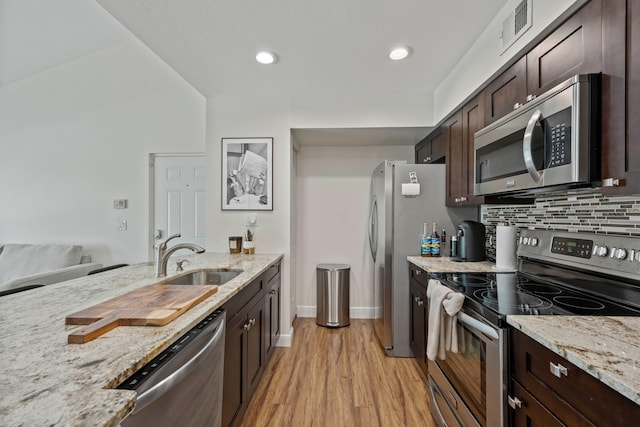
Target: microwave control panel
[558,138]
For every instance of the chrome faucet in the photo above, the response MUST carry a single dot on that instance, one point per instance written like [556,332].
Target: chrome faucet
[163,254]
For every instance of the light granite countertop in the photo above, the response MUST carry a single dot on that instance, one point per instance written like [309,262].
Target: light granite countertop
[606,347]
[446,265]
[46,382]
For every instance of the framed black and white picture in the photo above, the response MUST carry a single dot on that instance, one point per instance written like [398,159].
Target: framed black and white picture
[247,174]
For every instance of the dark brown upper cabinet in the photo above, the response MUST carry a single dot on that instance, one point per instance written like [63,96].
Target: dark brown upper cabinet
[507,90]
[459,132]
[620,96]
[432,148]
[573,48]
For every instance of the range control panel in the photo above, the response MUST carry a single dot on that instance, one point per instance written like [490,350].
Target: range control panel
[572,247]
[617,255]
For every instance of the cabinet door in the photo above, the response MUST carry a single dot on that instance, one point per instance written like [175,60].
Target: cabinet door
[573,48]
[423,150]
[255,345]
[620,94]
[431,149]
[472,121]
[455,161]
[272,307]
[418,325]
[235,393]
[508,89]
[438,146]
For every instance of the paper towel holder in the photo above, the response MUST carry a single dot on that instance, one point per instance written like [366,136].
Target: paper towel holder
[410,189]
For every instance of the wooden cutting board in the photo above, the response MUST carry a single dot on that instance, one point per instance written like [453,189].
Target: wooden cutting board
[152,305]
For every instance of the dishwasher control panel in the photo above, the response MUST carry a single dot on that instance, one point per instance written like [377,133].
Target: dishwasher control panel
[135,381]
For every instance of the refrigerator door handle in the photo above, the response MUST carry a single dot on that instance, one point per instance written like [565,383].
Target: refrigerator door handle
[373,228]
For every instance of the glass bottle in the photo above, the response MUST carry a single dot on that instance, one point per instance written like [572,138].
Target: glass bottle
[435,242]
[425,242]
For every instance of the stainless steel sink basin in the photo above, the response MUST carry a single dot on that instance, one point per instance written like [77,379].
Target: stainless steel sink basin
[214,276]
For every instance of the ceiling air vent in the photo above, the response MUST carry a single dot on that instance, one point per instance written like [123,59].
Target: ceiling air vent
[516,23]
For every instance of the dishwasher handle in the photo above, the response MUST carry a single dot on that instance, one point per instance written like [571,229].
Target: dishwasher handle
[188,367]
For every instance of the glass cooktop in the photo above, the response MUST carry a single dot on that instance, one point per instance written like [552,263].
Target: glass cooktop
[516,293]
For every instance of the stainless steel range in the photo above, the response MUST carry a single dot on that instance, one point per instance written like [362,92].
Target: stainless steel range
[559,273]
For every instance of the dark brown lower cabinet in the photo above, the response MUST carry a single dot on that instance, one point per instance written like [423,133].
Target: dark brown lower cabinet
[272,313]
[249,342]
[418,280]
[548,390]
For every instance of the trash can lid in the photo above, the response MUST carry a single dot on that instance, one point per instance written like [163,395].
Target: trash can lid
[333,267]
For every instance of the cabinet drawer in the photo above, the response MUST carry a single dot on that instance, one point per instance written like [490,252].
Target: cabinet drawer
[531,413]
[533,366]
[419,275]
[272,271]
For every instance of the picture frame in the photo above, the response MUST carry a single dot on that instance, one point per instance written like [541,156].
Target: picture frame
[247,174]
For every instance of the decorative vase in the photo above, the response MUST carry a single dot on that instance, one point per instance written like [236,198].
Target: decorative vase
[248,247]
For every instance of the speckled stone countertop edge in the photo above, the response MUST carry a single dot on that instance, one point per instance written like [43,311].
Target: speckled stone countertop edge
[447,265]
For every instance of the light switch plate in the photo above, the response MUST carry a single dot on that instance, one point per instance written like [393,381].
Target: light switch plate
[120,204]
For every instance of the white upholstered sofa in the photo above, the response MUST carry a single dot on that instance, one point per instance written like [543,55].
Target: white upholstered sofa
[24,266]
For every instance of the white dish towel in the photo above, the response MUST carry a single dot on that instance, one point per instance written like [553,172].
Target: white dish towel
[442,333]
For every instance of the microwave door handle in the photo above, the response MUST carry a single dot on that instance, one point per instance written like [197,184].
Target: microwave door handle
[526,146]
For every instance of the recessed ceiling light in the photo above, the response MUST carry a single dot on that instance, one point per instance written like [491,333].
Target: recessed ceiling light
[400,53]
[265,57]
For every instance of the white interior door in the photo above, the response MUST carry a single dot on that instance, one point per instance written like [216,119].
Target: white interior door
[179,198]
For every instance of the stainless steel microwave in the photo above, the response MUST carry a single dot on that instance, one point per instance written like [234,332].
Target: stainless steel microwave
[550,143]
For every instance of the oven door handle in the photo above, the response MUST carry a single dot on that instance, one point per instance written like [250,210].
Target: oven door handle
[478,325]
[526,146]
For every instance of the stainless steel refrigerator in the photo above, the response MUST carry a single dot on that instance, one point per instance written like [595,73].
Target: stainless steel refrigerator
[395,229]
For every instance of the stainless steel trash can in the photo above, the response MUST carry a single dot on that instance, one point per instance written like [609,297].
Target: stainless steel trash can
[333,295]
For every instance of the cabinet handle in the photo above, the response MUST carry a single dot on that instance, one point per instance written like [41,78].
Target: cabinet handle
[557,370]
[273,291]
[252,321]
[514,402]
[517,105]
[457,200]
[611,182]
[420,302]
[463,199]
[247,326]
[530,98]
[417,272]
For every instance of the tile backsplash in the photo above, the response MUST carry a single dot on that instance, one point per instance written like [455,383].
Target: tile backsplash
[585,212]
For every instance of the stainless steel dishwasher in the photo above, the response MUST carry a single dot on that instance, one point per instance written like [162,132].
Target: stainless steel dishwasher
[183,384]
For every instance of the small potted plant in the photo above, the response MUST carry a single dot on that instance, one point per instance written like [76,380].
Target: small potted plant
[248,246]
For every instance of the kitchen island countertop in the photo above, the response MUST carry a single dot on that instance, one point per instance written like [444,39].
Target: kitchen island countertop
[447,265]
[45,381]
[606,347]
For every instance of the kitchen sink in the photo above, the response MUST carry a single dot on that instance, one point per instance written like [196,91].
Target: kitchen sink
[212,276]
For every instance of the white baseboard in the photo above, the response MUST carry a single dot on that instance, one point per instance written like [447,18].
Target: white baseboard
[354,312]
[285,340]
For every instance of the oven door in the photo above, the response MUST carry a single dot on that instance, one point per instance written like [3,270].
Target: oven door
[471,382]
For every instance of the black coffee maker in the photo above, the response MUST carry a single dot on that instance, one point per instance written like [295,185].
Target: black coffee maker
[471,242]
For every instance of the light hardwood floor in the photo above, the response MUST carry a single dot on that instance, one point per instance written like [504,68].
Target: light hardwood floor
[338,377]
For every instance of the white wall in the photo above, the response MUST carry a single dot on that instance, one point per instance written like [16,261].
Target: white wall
[483,58]
[333,192]
[273,116]
[77,136]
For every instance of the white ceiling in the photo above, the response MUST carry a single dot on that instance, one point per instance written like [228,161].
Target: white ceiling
[329,46]
[323,46]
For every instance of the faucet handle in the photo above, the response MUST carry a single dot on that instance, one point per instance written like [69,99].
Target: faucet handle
[179,264]
[163,245]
